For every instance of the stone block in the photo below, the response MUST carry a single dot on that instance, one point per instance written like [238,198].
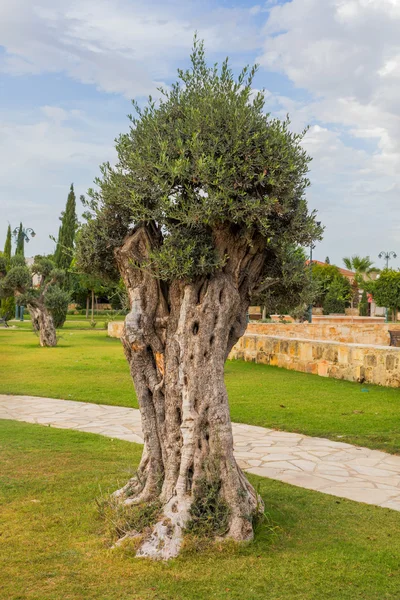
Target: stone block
[250,342]
[263,358]
[343,355]
[312,367]
[317,351]
[261,342]
[391,362]
[357,355]
[115,328]
[323,369]
[331,354]
[284,347]
[306,351]
[273,360]
[359,374]
[370,360]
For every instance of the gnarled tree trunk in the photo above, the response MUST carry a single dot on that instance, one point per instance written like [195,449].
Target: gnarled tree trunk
[43,324]
[176,340]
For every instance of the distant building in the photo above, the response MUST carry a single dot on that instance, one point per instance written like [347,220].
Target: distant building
[35,279]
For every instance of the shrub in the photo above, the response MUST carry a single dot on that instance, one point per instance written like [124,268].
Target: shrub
[7,310]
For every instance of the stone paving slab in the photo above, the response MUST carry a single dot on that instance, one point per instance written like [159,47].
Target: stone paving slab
[335,468]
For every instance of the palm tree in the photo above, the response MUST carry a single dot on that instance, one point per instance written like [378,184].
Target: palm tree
[362,265]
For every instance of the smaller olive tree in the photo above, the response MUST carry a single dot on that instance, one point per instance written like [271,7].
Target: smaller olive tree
[46,302]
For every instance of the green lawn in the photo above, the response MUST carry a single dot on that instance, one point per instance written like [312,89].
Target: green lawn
[72,322]
[52,542]
[89,366]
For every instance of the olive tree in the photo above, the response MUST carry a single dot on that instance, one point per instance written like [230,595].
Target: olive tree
[45,301]
[206,190]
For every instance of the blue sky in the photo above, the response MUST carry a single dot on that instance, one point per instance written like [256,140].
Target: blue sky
[68,70]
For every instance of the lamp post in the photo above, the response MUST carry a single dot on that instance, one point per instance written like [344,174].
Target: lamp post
[387,256]
[25,233]
[312,246]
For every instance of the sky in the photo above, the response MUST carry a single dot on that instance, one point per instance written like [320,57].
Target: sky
[68,70]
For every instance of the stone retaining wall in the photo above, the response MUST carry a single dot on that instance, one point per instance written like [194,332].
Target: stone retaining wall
[378,363]
[353,362]
[352,333]
[114,329]
[320,318]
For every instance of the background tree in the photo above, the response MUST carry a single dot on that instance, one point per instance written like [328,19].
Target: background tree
[86,288]
[386,290]
[7,246]
[43,301]
[355,293]
[324,276]
[7,307]
[363,306]
[337,297]
[290,290]
[327,261]
[20,249]
[66,233]
[206,190]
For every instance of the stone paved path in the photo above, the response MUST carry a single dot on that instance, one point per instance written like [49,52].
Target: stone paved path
[314,463]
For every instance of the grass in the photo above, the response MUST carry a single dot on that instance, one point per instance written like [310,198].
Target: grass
[89,366]
[75,322]
[86,366]
[52,542]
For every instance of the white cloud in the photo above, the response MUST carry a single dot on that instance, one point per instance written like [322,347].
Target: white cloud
[41,153]
[123,46]
[345,53]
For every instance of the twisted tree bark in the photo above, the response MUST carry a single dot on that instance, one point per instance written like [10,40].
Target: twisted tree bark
[176,341]
[43,324]
[42,319]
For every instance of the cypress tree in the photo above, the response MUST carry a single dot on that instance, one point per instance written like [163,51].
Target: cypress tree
[7,246]
[20,251]
[7,307]
[66,233]
[363,306]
